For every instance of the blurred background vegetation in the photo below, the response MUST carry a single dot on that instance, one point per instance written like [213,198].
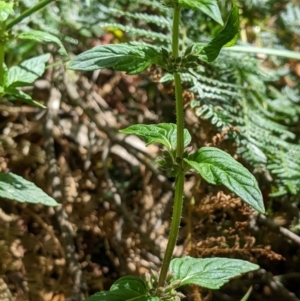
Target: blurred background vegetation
[115,200]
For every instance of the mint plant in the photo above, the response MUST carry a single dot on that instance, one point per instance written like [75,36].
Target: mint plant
[212,164]
[12,79]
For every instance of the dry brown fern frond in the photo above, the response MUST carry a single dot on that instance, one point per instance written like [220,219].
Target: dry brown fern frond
[223,228]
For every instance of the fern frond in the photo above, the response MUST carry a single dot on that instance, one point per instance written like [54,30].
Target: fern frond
[155,5]
[286,167]
[255,109]
[218,116]
[271,126]
[291,18]
[136,32]
[160,21]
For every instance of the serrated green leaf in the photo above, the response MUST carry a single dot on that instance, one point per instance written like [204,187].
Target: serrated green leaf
[27,72]
[226,37]
[42,36]
[6,9]
[218,167]
[132,58]
[20,95]
[16,188]
[128,288]
[208,7]
[211,273]
[164,133]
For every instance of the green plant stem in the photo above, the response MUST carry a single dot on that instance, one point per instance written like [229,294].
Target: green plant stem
[28,13]
[178,198]
[179,117]
[175,32]
[2,50]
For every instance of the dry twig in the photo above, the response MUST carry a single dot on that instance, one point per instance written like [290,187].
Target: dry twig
[284,231]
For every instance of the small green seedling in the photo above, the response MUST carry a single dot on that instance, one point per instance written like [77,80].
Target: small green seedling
[214,165]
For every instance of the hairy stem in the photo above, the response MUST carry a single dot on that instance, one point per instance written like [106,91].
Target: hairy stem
[178,198]
[175,32]
[28,13]
[179,117]
[176,217]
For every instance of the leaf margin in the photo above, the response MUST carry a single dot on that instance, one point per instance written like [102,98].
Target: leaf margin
[195,264]
[195,159]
